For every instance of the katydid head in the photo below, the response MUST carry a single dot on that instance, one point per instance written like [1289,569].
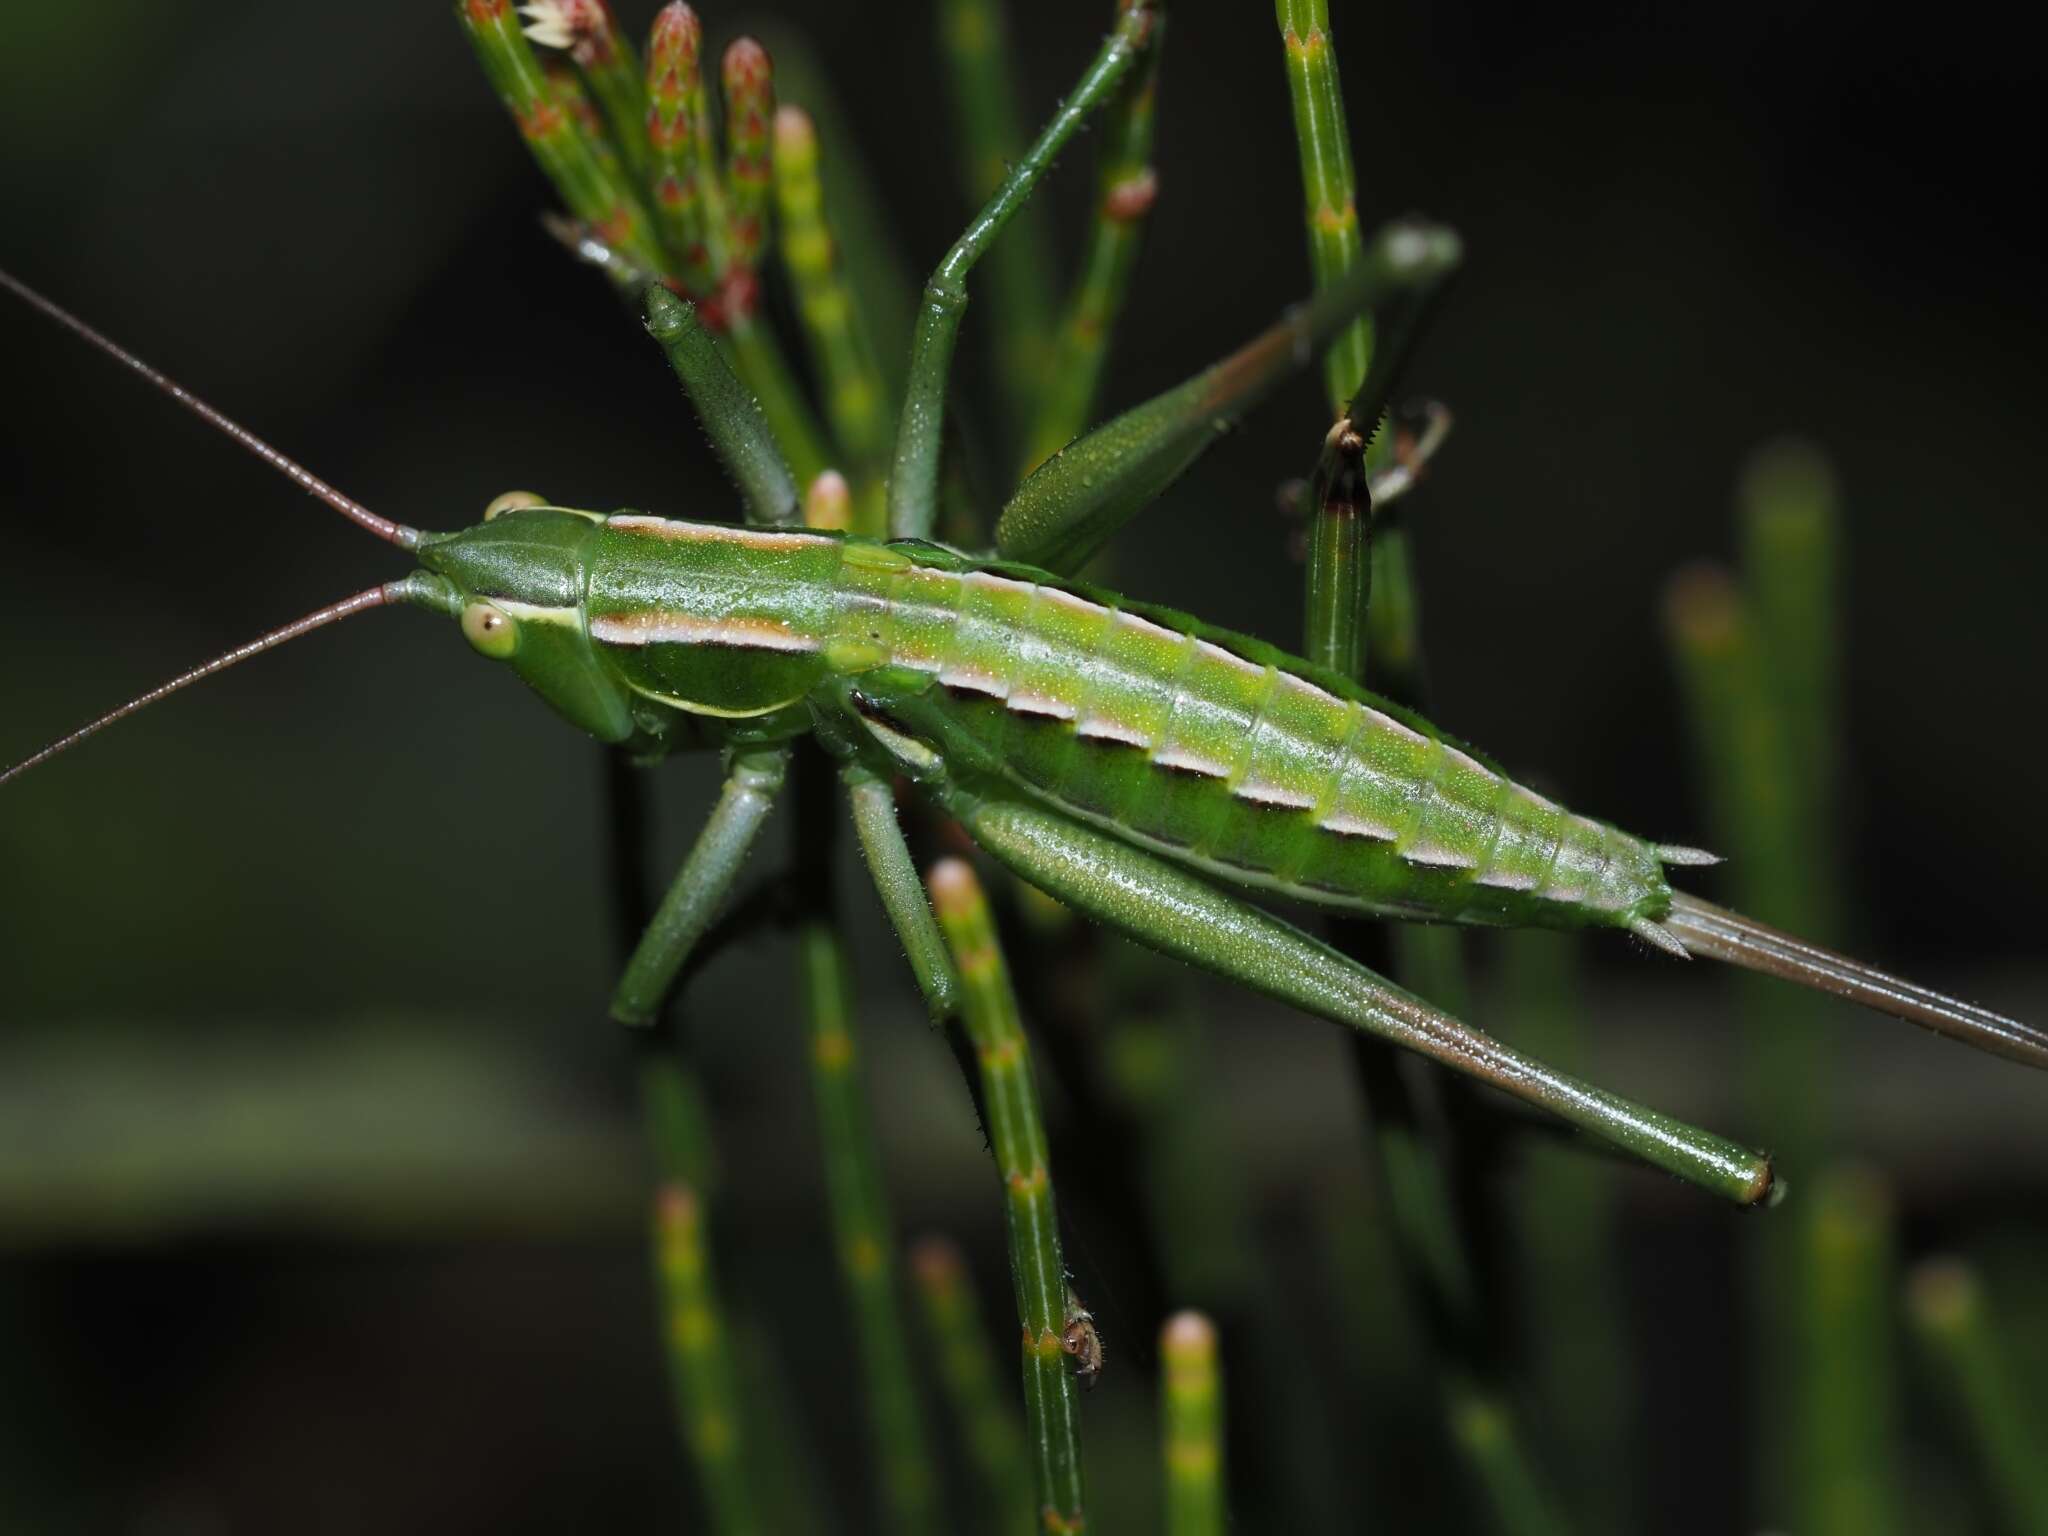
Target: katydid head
[513,582]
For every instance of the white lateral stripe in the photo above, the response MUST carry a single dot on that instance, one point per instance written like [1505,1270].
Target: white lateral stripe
[1026,702]
[972,680]
[1187,762]
[659,626]
[1508,879]
[1354,826]
[714,533]
[1436,856]
[1279,796]
[1103,728]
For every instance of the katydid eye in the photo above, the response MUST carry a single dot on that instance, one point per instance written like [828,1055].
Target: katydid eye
[490,630]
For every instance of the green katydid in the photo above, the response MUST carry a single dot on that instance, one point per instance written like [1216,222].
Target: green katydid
[1132,762]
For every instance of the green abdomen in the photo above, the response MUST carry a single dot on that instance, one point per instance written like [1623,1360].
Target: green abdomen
[1230,757]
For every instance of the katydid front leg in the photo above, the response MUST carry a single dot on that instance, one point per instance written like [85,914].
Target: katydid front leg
[1180,915]
[753,778]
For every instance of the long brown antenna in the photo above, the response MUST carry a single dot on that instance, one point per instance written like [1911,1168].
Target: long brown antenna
[291,469]
[375,597]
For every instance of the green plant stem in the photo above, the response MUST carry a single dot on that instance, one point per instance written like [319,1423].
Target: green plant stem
[988,127]
[908,1487]
[1571,1302]
[727,411]
[1787,508]
[884,291]
[1126,186]
[748,76]
[574,99]
[1326,177]
[1191,1411]
[983,1417]
[914,479]
[1846,1454]
[607,63]
[1740,741]
[555,140]
[699,1344]
[853,391]
[1489,1444]
[2004,1430]
[1017,1137]
[682,167]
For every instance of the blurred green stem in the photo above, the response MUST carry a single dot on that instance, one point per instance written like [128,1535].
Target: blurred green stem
[1017,1136]
[908,1487]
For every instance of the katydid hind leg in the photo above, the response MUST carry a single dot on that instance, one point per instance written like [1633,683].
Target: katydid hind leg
[1077,499]
[753,780]
[1183,916]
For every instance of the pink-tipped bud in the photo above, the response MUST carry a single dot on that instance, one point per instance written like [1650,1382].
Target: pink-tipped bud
[828,504]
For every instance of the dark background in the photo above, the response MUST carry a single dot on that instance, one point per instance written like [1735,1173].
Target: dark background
[317,1173]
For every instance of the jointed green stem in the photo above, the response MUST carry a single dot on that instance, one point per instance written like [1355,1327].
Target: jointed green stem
[1341,538]
[854,400]
[1017,1136]
[989,131]
[1568,1224]
[1191,1411]
[1331,197]
[982,1413]
[699,1341]
[1844,1421]
[867,1242]
[1080,496]
[574,99]
[902,893]
[2004,1428]
[749,80]
[1791,562]
[682,166]
[730,416]
[599,200]
[1125,187]
[914,479]
[1490,1444]
[608,64]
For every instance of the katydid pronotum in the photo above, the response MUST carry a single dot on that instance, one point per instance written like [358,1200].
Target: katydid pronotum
[1139,766]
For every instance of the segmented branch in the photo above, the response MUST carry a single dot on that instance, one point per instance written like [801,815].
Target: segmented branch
[1017,1136]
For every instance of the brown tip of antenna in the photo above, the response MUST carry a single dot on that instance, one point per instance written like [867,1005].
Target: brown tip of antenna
[383,527]
[374,597]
